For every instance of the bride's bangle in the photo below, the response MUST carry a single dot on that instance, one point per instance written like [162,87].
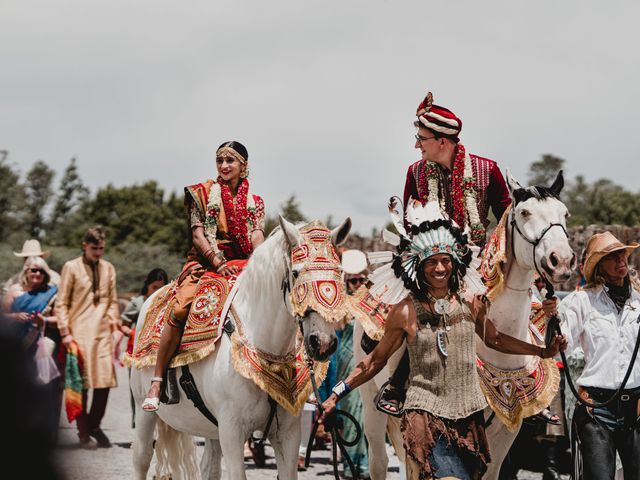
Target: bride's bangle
[221,266]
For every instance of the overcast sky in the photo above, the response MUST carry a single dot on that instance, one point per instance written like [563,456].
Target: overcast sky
[322,93]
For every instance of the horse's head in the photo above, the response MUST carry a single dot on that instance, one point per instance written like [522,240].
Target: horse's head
[539,229]
[318,296]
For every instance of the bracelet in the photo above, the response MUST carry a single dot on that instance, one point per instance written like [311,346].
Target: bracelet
[210,257]
[541,352]
[221,266]
[341,389]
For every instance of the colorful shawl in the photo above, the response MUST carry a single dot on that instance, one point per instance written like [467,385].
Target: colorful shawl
[34,301]
[73,382]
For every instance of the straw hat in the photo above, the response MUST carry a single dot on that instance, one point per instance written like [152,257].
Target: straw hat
[32,248]
[600,245]
[353,262]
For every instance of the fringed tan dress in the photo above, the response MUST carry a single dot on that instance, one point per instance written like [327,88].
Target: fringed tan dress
[444,401]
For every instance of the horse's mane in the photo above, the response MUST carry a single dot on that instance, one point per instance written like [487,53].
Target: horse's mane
[538,192]
[268,262]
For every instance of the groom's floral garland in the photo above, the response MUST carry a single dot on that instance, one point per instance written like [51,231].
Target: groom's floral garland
[463,191]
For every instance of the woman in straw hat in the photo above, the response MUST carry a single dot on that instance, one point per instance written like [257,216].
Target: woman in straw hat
[30,249]
[603,320]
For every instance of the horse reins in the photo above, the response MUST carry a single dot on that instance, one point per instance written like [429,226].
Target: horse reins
[553,324]
[337,440]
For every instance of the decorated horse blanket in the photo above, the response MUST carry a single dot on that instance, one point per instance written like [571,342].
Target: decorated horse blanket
[370,312]
[203,327]
[494,257]
[516,394]
[285,378]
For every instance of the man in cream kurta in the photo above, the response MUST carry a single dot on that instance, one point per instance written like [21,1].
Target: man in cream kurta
[88,313]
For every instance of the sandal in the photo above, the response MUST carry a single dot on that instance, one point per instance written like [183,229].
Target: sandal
[549,417]
[390,400]
[151,404]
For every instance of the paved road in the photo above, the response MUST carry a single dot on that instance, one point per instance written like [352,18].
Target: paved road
[116,462]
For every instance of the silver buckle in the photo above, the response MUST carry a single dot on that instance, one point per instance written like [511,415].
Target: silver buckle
[625,397]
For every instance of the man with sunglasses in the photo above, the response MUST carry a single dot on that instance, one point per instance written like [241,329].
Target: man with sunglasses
[465,185]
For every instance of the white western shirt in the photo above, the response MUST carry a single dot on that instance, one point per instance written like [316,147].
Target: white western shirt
[591,320]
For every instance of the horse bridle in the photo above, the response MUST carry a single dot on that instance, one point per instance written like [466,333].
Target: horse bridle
[534,244]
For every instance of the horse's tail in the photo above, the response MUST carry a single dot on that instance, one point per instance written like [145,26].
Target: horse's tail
[175,454]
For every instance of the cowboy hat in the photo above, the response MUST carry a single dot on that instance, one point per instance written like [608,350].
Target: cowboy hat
[32,248]
[599,246]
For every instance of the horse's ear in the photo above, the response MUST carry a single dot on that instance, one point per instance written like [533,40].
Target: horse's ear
[339,234]
[557,185]
[512,185]
[290,232]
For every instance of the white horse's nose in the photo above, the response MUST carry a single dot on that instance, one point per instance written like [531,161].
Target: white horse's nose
[321,346]
[559,264]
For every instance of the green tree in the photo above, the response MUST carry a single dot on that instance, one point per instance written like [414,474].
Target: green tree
[610,204]
[544,171]
[71,194]
[136,214]
[38,194]
[290,210]
[577,196]
[11,197]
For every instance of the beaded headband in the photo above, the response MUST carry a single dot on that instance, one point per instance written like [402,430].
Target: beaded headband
[231,152]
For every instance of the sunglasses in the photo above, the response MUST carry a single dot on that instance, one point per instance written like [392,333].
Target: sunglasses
[355,281]
[36,270]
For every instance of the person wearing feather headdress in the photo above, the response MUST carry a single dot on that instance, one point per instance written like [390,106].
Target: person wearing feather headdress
[438,308]
[466,186]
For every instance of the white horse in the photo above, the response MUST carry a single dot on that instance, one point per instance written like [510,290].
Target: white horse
[540,219]
[537,240]
[238,404]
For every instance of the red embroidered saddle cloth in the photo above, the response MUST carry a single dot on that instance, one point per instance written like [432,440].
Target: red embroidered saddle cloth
[203,327]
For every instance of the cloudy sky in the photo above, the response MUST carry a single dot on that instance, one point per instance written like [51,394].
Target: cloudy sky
[323,93]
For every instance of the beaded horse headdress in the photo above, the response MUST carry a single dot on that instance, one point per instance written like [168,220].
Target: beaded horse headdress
[319,285]
[430,232]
